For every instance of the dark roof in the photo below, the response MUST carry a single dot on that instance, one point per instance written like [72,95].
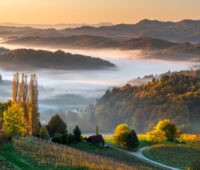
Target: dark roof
[96,139]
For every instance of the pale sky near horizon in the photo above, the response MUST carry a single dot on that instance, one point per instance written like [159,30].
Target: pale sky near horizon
[95,11]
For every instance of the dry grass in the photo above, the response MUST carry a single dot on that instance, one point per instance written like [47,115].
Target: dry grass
[48,154]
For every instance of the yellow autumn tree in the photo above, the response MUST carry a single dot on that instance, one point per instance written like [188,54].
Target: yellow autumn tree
[124,137]
[14,121]
[164,130]
[26,95]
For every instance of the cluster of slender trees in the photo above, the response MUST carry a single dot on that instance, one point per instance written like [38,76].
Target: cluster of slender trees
[25,94]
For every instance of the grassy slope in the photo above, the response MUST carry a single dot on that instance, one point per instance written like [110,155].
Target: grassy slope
[8,153]
[115,154]
[173,155]
[170,153]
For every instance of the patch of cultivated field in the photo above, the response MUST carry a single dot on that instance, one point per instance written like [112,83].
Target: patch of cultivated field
[173,155]
[181,153]
[34,153]
[117,155]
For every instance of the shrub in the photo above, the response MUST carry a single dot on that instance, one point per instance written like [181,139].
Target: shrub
[195,165]
[124,137]
[4,138]
[164,130]
[71,139]
[57,138]
[43,133]
[65,138]
[57,125]
[156,136]
[169,128]
[77,134]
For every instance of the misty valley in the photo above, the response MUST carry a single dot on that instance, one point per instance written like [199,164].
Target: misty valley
[106,97]
[70,90]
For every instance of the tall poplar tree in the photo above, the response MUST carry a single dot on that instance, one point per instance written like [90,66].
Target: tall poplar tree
[33,115]
[26,95]
[15,86]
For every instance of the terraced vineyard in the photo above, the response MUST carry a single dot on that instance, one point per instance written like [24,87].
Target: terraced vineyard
[36,154]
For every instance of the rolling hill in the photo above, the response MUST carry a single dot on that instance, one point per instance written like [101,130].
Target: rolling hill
[174,95]
[151,47]
[28,59]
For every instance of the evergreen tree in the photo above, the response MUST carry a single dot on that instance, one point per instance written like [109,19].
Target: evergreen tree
[97,130]
[57,125]
[71,139]
[77,134]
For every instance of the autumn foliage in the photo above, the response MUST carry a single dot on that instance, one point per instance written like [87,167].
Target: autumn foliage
[124,137]
[21,117]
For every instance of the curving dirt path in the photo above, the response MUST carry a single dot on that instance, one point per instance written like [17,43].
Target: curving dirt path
[139,154]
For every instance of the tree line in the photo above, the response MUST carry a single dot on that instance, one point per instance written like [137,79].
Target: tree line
[173,96]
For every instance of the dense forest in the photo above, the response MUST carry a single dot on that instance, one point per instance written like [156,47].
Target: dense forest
[175,96]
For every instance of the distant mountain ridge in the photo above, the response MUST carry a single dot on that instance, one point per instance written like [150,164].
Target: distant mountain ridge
[56,26]
[151,47]
[185,30]
[28,59]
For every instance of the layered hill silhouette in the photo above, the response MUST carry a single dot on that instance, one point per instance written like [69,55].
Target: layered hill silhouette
[185,30]
[151,47]
[27,59]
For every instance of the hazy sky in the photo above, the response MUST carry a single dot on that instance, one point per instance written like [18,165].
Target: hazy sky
[95,11]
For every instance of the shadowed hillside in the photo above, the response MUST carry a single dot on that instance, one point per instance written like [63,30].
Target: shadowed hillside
[175,96]
[26,59]
[185,30]
[151,47]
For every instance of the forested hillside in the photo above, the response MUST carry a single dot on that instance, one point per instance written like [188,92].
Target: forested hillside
[174,95]
[27,59]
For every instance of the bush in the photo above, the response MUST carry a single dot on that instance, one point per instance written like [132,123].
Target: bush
[77,134]
[156,136]
[71,139]
[168,128]
[57,125]
[43,133]
[164,130]
[65,138]
[125,138]
[195,165]
[57,138]
[4,138]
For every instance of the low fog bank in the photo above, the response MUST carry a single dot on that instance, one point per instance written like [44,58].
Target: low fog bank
[72,94]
